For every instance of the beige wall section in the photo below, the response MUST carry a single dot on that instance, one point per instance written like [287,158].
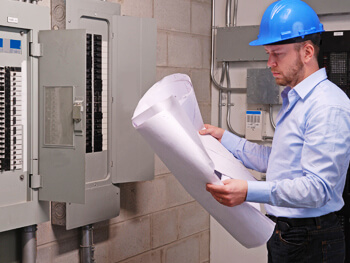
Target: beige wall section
[159,222]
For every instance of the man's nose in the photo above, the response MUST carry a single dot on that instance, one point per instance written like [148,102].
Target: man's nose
[271,62]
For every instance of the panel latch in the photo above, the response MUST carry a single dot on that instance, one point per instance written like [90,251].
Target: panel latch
[35,49]
[35,181]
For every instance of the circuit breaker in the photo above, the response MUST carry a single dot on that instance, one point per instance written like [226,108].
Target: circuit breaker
[66,101]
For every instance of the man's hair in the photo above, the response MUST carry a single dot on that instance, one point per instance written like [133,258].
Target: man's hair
[313,39]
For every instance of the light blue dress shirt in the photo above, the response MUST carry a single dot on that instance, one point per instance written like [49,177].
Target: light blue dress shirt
[307,164]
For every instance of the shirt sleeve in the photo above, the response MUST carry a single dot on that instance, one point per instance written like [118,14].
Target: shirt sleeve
[259,191]
[252,155]
[324,162]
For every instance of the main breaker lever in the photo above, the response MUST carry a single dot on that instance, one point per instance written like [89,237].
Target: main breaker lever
[77,110]
[77,116]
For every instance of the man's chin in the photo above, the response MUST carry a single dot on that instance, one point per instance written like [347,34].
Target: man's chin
[280,82]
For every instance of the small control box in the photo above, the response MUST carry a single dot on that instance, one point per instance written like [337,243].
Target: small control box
[255,125]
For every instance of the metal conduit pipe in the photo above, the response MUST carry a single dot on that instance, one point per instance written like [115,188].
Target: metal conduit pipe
[228,13]
[87,248]
[29,244]
[216,84]
[229,104]
[235,8]
[220,94]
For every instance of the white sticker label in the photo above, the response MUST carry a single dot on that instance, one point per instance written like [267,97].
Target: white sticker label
[338,34]
[12,20]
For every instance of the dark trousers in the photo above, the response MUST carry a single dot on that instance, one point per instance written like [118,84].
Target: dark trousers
[309,240]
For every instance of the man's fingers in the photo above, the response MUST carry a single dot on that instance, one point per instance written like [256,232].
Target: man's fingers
[217,189]
[208,129]
[220,198]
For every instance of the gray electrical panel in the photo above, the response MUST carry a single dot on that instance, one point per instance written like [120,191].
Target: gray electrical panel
[261,87]
[119,66]
[20,24]
[232,44]
[66,101]
[323,7]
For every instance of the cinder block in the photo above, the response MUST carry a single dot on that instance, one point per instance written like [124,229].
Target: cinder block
[184,251]
[192,219]
[165,71]
[205,246]
[175,193]
[154,256]
[159,167]
[137,8]
[101,243]
[164,227]
[162,48]
[141,198]
[44,254]
[184,51]
[173,15]
[129,238]
[206,45]
[201,84]
[65,251]
[205,109]
[201,18]
[48,233]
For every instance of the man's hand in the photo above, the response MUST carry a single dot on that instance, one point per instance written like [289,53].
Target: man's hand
[213,131]
[232,193]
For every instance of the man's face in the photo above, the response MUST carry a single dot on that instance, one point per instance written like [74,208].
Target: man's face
[286,64]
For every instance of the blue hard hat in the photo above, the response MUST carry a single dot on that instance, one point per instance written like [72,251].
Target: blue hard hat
[287,19]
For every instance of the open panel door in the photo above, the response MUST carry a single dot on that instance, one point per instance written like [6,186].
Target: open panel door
[62,93]
[134,58]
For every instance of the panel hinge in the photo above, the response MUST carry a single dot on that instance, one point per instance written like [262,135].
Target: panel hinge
[35,49]
[35,181]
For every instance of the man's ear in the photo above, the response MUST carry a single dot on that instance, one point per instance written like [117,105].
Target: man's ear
[308,52]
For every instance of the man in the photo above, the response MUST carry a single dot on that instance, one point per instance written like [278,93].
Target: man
[307,164]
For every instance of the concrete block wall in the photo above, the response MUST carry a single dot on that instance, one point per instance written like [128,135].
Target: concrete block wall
[159,221]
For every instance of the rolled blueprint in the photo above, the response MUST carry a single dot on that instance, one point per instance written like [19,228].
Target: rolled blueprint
[168,118]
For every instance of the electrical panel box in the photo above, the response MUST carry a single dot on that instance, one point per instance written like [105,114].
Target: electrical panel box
[66,101]
[261,87]
[20,24]
[323,7]
[117,68]
[232,44]
[255,125]
[335,57]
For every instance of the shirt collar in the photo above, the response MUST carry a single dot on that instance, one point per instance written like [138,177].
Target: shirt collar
[307,85]
[284,93]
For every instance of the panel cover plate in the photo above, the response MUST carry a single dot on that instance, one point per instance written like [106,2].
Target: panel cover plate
[62,150]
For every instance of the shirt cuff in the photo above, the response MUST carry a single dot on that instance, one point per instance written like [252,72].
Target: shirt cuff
[258,192]
[230,141]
